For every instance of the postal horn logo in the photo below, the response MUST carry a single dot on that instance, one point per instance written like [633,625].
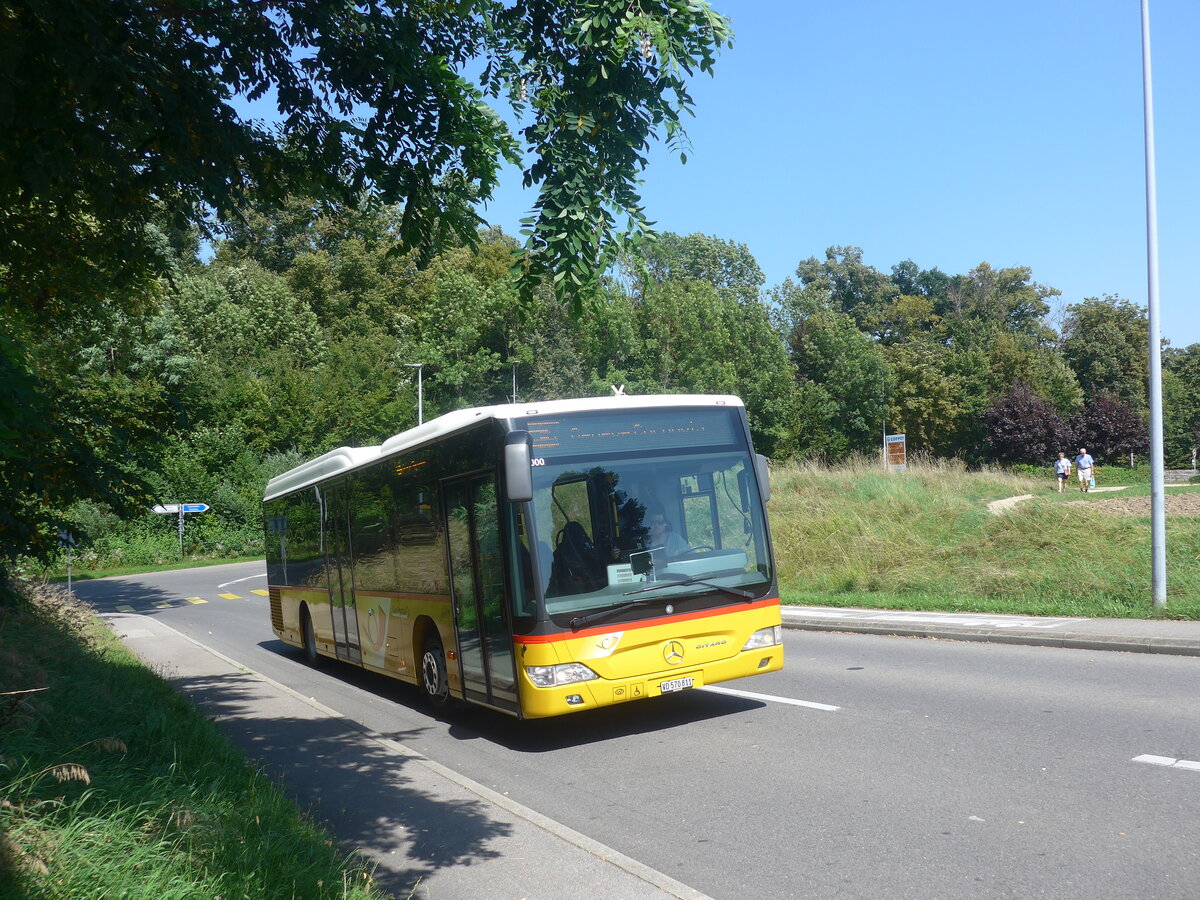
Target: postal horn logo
[673,653]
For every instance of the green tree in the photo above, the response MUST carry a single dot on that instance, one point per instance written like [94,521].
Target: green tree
[1107,343]
[1017,358]
[231,314]
[932,401]
[1181,403]
[829,351]
[1006,298]
[728,266]
[847,284]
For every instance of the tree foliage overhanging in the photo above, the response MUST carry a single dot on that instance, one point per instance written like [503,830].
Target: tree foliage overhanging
[122,141]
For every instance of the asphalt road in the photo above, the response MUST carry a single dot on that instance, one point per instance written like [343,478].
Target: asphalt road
[874,767]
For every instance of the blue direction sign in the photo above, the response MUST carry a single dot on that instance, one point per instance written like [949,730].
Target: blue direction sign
[193,507]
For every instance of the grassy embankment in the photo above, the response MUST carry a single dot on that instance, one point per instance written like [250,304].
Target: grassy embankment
[855,535]
[112,786]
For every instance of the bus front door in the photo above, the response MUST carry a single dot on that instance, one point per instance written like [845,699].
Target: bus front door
[485,647]
[341,578]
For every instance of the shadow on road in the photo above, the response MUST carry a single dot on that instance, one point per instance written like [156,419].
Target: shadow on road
[126,596]
[470,723]
[368,794]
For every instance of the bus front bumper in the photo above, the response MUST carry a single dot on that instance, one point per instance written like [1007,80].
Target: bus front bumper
[539,702]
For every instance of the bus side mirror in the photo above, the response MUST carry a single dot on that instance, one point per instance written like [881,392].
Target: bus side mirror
[518,467]
[764,476]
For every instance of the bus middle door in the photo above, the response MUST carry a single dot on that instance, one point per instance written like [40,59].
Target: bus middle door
[341,578]
[485,645]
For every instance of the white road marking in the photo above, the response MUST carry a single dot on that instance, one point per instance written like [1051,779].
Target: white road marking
[236,580]
[771,698]
[1168,761]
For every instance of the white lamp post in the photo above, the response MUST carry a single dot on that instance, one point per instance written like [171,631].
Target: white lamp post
[420,392]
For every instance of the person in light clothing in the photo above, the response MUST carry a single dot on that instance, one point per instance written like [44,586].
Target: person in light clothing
[663,538]
[1083,465]
[1062,468]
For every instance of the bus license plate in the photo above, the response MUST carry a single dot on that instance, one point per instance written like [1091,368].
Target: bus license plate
[676,684]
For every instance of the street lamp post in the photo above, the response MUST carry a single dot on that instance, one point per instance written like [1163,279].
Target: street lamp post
[420,392]
[1158,529]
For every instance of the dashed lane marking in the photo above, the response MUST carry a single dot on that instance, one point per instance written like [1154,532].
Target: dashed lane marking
[164,604]
[771,698]
[229,596]
[261,592]
[1168,761]
[125,608]
[195,600]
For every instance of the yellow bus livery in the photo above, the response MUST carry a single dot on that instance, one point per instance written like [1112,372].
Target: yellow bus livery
[537,559]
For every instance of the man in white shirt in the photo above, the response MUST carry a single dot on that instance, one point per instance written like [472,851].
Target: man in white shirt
[1083,465]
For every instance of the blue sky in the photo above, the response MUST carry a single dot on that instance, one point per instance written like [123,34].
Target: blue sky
[948,132]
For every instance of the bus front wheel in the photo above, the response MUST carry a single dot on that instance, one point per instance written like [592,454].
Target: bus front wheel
[434,682]
[309,637]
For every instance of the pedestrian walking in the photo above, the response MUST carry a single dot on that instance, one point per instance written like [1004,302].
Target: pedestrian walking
[1062,468]
[1083,465]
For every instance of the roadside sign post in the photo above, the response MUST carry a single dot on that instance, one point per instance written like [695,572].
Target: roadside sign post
[896,452]
[180,509]
[66,539]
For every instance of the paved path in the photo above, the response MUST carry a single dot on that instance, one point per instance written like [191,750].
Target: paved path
[434,833]
[1128,635]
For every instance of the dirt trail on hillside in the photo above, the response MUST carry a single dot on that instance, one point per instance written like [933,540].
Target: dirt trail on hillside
[1174,504]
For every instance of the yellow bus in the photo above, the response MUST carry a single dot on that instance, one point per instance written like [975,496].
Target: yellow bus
[535,558]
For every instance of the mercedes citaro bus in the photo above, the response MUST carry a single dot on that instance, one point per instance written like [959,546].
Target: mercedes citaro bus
[535,558]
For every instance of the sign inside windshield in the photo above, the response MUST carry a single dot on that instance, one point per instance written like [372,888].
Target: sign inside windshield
[632,430]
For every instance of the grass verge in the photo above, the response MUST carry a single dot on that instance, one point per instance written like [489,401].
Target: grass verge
[855,535]
[111,785]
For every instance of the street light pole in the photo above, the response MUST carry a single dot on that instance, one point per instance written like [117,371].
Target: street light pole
[1158,527]
[420,392]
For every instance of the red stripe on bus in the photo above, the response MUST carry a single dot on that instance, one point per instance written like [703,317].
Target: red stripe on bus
[646,623]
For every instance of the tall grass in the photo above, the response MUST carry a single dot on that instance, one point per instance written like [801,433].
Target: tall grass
[112,786]
[854,534]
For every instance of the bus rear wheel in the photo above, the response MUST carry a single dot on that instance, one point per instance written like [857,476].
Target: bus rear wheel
[434,681]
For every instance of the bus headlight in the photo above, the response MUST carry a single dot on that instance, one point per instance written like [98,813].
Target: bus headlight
[567,673]
[765,637]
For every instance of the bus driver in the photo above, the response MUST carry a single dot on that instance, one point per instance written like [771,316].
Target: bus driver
[663,537]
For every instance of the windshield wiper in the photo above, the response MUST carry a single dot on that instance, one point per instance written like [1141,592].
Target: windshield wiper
[580,621]
[737,592]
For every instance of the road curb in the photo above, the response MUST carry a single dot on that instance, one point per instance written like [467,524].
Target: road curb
[1077,641]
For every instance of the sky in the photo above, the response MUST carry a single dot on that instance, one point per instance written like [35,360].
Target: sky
[948,132]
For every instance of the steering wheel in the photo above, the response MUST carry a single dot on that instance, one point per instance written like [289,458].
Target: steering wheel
[698,548]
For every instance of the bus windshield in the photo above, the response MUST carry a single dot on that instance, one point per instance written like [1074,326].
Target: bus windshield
[659,507]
